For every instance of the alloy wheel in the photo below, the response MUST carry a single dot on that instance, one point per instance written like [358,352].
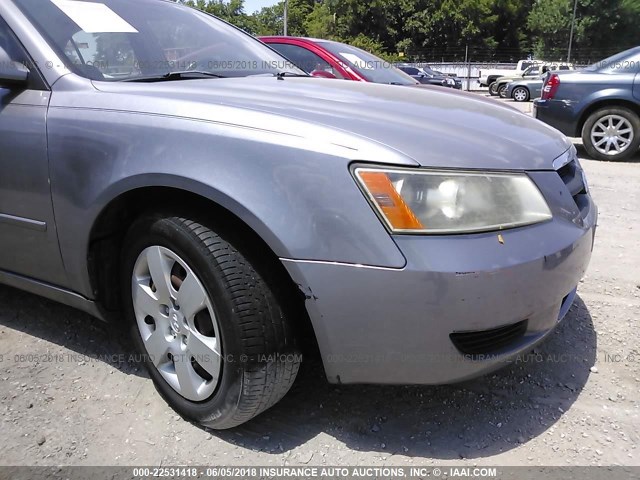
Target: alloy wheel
[612,135]
[520,95]
[177,323]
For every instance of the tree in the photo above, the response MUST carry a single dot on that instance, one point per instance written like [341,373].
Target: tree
[320,23]
[602,28]
[299,10]
[509,31]
[230,10]
[270,20]
[370,45]
[505,30]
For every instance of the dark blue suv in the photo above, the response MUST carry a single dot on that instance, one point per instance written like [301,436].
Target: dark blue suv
[600,103]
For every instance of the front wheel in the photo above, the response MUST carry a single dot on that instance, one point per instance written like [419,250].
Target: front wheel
[212,333]
[612,134]
[493,89]
[502,90]
[520,94]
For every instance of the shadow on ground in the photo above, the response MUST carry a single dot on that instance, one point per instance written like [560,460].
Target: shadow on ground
[480,418]
[72,329]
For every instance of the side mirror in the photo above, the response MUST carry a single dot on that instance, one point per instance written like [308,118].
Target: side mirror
[12,73]
[323,74]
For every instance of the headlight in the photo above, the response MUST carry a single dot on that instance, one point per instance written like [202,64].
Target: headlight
[413,201]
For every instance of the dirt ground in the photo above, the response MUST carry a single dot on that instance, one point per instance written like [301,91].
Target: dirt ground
[574,402]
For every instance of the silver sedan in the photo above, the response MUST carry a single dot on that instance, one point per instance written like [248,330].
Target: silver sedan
[170,174]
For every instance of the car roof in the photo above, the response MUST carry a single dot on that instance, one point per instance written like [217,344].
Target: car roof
[289,37]
[300,39]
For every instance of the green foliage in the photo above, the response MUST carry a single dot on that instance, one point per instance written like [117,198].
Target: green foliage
[270,20]
[505,30]
[602,27]
[230,10]
[370,45]
[320,23]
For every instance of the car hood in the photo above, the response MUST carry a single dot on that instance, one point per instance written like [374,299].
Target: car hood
[424,126]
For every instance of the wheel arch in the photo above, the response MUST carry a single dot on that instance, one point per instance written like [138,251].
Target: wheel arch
[604,103]
[110,226]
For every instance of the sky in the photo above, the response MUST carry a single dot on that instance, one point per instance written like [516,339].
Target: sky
[251,6]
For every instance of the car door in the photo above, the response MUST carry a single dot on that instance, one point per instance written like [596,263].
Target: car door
[28,239]
[636,87]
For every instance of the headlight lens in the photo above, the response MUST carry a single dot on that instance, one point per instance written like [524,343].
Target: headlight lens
[441,202]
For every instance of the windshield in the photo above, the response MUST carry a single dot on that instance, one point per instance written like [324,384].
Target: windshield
[372,68]
[623,62]
[431,72]
[115,40]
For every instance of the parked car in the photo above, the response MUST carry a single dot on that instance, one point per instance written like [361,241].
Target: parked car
[488,76]
[427,76]
[330,59]
[499,87]
[456,79]
[600,103]
[525,90]
[223,214]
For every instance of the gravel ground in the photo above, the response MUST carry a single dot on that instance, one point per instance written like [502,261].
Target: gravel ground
[574,402]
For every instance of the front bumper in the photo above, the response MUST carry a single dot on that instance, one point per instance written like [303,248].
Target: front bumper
[394,326]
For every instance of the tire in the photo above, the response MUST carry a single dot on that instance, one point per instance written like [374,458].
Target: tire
[628,140]
[493,89]
[248,338]
[521,94]
[502,90]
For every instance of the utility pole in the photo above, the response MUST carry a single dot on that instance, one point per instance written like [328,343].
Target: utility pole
[286,17]
[466,60]
[573,22]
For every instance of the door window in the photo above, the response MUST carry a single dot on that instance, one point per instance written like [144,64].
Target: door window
[305,59]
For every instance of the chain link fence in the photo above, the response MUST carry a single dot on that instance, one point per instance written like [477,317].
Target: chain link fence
[466,63]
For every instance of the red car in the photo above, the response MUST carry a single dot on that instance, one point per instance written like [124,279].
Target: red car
[325,58]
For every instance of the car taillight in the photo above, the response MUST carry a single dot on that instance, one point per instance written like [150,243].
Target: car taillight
[551,87]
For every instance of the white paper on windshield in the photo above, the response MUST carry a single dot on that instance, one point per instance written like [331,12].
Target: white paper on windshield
[357,61]
[94,17]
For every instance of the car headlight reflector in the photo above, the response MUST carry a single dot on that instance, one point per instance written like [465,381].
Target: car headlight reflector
[439,202]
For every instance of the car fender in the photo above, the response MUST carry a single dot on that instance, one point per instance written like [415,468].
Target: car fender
[300,199]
